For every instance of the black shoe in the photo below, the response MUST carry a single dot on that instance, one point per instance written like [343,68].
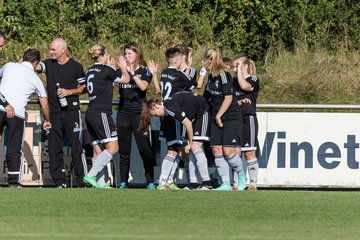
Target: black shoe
[15,185]
[61,186]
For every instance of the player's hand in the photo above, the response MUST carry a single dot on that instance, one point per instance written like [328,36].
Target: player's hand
[153,67]
[122,62]
[245,101]
[219,121]
[244,68]
[10,112]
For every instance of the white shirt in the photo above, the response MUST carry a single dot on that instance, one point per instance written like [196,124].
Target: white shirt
[19,81]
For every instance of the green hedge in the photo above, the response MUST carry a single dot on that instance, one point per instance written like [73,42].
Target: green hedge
[255,27]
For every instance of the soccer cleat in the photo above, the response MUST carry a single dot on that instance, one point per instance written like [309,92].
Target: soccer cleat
[106,186]
[186,188]
[235,187]
[92,181]
[163,187]
[172,186]
[61,186]
[150,186]
[242,182]
[223,187]
[251,188]
[123,185]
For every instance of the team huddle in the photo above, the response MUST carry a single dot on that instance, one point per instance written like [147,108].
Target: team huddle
[224,116]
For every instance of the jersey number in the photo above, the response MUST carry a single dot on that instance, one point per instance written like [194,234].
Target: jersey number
[167,88]
[90,85]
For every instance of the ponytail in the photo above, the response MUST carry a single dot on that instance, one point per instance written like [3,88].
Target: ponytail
[145,115]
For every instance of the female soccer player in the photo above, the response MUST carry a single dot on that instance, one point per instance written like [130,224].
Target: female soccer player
[100,79]
[247,87]
[192,111]
[190,166]
[132,97]
[225,133]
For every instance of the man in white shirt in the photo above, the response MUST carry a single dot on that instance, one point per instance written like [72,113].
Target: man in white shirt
[19,82]
[3,101]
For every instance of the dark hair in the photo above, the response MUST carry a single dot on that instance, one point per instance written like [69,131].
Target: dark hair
[227,61]
[145,114]
[2,35]
[136,48]
[31,55]
[171,53]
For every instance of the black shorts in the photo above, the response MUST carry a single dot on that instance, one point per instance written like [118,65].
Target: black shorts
[250,132]
[101,127]
[201,128]
[227,136]
[170,131]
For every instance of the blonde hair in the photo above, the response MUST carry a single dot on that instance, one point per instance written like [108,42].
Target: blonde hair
[217,65]
[97,51]
[250,63]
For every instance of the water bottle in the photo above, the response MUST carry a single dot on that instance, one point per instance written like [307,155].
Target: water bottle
[63,101]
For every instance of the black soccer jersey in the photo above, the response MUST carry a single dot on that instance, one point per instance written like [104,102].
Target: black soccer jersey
[173,81]
[131,97]
[68,75]
[183,105]
[217,88]
[248,109]
[192,76]
[100,80]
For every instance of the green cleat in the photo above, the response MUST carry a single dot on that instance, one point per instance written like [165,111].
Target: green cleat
[223,187]
[163,187]
[172,186]
[107,186]
[92,181]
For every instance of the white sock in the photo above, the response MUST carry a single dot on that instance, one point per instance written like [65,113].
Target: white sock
[253,169]
[166,166]
[101,175]
[202,164]
[174,169]
[101,161]
[222,168]
[192,168]
[236,163]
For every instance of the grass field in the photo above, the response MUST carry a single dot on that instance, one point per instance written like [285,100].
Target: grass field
[32,213]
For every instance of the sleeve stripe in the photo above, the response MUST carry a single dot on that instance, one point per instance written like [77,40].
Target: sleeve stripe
[170,113]
[118,80]
[192,72]
[81,80]
[223,78]
[43,68]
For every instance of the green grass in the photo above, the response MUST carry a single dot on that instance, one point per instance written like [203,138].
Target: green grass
[32,213]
